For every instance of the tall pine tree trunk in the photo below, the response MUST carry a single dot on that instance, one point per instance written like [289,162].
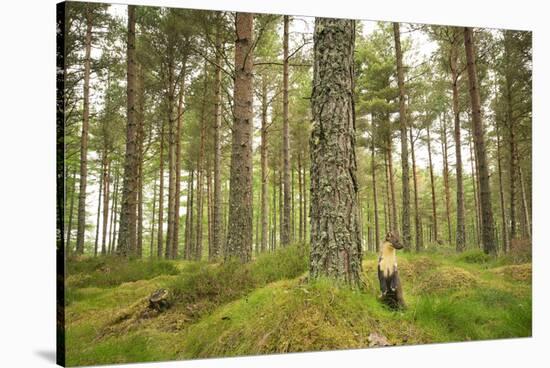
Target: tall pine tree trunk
[152,232]
[81,227]
[127,231]
[170,96]
[179,120]
[335,234]
[96,240]
[374,193]
[285,225]
[68,249]
[489,245]
[161,192]
[263,169]
[444,148]
[406,215]
[106,194]
[217,216]
[505,236]
[239,237]
[114,214]
[417,225]
[432,184]
[460,210]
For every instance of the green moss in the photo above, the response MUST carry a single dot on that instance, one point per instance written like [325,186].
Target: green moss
[268,306]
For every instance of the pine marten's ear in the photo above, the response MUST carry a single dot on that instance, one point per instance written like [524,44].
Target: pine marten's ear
[389,236]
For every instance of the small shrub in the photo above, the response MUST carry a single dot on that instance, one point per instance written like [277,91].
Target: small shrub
[113,271]
[285,263]
[474,256]
[521,272]
[446,279]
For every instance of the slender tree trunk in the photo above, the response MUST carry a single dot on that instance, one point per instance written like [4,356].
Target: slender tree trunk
[217,217]
[106,194]
[505,237]
[475,184]
[99,197]
[335,233]
[393,211]
[179,120]
[152,232]
[460,210]
[140,136]
[239,237]
[263,170]
[489,245]
[417,225]
[446,177]
[68,249]
[161,192]
[387,208]
[285,224]
[374,193]
[81,229]
[306,208]
[171,157]
[300,201]
[127,230]
[406,215]
[209,207]
[525,206]
[114,215]
[432,183]
[189,247]
[274,213]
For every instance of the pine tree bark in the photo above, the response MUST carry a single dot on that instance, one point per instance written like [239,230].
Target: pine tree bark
[81,227]
[460,210]
[179,120]
[444,148]
[525,207]
[335,233]
[171,98]
[300,202]
[68,249]
[505,236]
[417,221]
[106,195]
[475,184]
[489,245]
[374,193]
[99,198]
[217,216]
[432,184]
[161,193]
[285,234]
[114,215]
[140,137]
[152,232]
[393,202]
[263,169]
[189,217]
[239,237]
[127,228]
[405,185]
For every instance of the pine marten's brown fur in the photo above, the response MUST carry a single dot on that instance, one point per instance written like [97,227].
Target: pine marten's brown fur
[390,285]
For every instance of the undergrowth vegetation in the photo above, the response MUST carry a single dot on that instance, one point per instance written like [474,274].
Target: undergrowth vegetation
[269,306]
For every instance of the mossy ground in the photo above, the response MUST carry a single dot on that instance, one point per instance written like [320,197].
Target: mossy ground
[269,306]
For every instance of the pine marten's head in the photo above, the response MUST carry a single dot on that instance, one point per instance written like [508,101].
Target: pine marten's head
[393,239]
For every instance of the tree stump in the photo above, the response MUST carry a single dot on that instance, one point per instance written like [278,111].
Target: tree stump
[158,300]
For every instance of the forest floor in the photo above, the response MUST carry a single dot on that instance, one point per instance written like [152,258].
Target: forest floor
[268,306]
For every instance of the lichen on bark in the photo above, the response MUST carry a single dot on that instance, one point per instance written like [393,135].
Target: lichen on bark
[335,236]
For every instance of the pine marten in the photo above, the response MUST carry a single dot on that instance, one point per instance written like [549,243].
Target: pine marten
[390,285]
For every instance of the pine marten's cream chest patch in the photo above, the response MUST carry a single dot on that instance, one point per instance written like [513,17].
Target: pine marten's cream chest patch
[387,259]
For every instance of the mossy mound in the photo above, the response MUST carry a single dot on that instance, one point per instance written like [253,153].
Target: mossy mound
[413,268]
[522,272]
[290,316]
[445,279]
